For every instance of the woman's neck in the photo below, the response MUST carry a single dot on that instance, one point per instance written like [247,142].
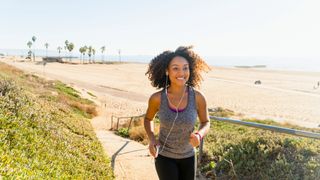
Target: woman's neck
[177,90]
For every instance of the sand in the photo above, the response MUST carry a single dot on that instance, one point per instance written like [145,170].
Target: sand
[284,96]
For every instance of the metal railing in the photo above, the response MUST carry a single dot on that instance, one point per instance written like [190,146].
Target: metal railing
[269,127]
[120,118]
[239,122]
[294,132]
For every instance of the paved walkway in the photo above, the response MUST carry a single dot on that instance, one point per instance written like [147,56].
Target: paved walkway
[129,159]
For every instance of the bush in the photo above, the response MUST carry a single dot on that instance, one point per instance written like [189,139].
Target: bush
[41,139]
[248,153]
[137,131]
[139,134]
[123,132]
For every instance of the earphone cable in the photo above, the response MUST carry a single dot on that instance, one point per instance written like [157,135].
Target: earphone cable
[177,112]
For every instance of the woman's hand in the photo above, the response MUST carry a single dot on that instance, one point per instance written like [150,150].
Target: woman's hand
[152,147]
[194,139]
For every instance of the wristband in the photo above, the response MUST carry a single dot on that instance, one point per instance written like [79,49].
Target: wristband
[198,135]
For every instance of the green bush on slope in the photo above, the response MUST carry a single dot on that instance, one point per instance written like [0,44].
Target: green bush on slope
[44,139]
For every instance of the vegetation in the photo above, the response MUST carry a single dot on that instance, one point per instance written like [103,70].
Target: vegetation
[89,53]
[29,44]
[70,47]
[123,132]
[136,131]
[59,48]
[71,97]
[239,152]
[103,49]
[42,135]
[91,94]
[82,51]
[233,151]
[46,45]
[34,38]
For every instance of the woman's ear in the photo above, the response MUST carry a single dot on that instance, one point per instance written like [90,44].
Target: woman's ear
[167,73]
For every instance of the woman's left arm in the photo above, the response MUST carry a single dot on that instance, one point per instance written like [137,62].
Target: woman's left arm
[203,114]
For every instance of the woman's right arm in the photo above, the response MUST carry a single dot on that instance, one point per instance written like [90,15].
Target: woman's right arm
[153,107]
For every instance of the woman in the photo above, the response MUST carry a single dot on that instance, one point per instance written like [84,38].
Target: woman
[178,104]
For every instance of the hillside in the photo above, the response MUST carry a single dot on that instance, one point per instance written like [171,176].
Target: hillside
[45,130]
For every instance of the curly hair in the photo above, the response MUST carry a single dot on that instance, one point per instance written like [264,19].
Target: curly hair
[159,65]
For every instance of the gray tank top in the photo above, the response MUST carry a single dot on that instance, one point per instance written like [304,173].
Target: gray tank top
[177,145]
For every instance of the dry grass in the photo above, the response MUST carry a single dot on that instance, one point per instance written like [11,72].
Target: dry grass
[137,131]
[90,109]
[9,69]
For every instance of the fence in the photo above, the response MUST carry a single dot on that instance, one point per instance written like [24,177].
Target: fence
[239,122]
[262,126]
[131,118]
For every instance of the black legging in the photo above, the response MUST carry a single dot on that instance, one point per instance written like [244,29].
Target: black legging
[175,169]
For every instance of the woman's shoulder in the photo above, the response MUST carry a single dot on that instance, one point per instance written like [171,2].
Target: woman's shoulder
[199,95]
[155,98]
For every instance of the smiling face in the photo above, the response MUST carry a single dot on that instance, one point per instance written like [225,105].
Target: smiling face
[178,70]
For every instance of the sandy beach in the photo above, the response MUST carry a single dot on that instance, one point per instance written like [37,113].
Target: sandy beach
[284,96]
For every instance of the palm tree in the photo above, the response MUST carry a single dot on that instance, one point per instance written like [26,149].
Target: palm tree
[66,42]
[70,48]
[84,52]
[94,53]
[34,40]
[80,50]
[119,52]
[59,50]
[89,53]
[29,44]
[103,49]
[46,45]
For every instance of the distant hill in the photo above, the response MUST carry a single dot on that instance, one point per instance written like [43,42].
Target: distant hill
[255,66]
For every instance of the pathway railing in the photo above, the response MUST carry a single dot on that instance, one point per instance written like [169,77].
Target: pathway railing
[118,119]
[269,127]
[294,132]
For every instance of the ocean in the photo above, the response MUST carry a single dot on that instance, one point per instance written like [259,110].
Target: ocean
[276,63]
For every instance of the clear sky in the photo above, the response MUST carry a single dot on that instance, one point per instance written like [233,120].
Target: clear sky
[282,28]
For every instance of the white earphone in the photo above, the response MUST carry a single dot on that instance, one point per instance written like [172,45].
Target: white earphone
[177,112]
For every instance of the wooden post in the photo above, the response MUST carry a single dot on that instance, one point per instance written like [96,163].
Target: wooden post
[200,152]
[130,123]
[117,123]
[111,128]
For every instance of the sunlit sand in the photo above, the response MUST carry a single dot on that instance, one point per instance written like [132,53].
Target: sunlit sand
[284,96]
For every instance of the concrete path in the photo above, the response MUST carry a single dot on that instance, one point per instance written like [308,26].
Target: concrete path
[129,159]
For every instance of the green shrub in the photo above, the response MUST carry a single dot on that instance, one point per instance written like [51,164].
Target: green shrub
[66,90]
[248,153]
[41,139]
[123,132]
